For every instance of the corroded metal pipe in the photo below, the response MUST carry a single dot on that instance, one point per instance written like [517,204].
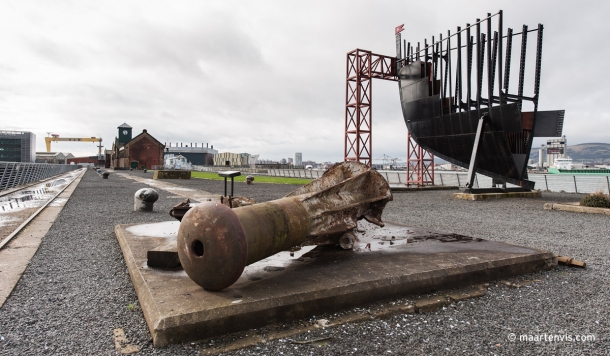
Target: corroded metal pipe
[216,243]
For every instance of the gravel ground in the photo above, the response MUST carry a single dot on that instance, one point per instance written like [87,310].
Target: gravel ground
[76,289]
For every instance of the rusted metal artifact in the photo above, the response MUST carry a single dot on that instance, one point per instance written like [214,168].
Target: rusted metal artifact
[215,242]
[180,209]
[461,101]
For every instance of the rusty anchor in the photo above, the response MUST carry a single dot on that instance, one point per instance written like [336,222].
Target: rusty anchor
[216,243]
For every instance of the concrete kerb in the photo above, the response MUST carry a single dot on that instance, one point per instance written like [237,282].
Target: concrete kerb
[404,188]
[488,196]
[576,208]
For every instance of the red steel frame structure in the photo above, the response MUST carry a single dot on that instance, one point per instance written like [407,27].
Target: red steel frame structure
[420,164]
[362,67]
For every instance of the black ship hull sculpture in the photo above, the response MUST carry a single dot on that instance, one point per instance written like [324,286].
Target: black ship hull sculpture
[459,102]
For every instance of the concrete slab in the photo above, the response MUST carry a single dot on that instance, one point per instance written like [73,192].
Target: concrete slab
[576,208]
[486,196]
[387,262]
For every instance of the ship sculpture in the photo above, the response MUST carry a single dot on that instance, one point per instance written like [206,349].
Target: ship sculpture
[462,103]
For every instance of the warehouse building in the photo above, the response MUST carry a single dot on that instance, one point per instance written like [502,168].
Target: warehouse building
[53,157]
[198,156]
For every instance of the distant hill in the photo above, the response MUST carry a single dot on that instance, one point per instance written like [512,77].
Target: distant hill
[587,152]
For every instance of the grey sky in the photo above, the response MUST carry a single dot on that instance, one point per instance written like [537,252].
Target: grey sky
[263,77]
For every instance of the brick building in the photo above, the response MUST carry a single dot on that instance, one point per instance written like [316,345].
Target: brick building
[142,151]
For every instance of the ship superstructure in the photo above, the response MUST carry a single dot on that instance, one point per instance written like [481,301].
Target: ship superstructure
[462,100]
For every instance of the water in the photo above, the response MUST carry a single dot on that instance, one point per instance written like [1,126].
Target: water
[24,199]
[576,183]
[33,197]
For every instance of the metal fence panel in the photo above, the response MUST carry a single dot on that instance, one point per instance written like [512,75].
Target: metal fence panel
[570,183]
[13,174]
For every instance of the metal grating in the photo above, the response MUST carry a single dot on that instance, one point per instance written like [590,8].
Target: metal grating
[13,174]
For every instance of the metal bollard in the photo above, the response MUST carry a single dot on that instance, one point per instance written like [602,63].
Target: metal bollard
[144,199]
[216,243]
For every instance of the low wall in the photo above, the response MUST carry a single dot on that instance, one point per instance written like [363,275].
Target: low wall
[172,175]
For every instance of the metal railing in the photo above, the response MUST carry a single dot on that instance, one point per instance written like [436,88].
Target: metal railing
[295,173]
[13,174]
[569,183]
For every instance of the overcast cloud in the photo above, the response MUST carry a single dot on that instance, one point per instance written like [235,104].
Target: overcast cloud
[263,77]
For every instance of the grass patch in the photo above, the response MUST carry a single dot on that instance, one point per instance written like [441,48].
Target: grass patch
[257,179]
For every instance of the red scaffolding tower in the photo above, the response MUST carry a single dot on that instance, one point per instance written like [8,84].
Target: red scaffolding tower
[420,164]
[362,67]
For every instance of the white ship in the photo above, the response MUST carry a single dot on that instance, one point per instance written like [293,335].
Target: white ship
[564,165]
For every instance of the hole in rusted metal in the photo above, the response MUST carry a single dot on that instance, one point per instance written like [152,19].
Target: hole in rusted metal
[197,248]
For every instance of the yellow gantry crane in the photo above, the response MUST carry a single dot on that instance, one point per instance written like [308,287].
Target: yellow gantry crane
[56,138]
